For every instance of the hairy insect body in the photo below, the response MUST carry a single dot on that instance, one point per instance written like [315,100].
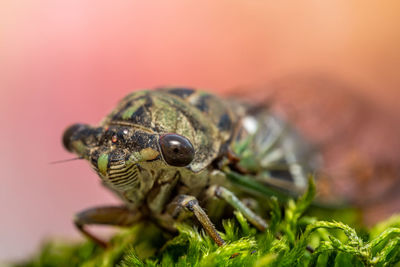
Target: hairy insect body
[164,149]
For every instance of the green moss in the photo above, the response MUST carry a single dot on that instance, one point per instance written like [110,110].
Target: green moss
[288,242]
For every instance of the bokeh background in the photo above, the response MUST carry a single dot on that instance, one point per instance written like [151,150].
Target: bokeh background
[70,61]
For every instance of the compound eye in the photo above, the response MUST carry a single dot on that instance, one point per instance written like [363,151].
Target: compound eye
[69,132]
[176,149]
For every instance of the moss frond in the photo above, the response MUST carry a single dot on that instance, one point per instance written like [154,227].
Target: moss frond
[287,242]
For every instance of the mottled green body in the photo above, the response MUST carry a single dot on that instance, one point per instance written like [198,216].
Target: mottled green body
[195,115]
[225,134]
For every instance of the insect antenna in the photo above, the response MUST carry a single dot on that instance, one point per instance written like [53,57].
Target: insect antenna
[64,160]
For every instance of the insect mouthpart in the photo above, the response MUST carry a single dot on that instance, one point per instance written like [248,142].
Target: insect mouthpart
[116,171]
[123,176]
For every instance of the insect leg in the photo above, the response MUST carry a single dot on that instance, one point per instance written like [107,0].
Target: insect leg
[231,199]
[191,203]
[111,215]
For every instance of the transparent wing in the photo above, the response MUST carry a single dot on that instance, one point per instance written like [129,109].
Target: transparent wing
[273,154]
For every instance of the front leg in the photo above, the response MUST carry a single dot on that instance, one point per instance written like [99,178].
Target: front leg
[231,199]
[112,215]
[191,204]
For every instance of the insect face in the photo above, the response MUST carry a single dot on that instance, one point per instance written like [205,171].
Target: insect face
[124,157]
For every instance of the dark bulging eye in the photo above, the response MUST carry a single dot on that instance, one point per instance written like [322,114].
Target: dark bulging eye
[69,132]
[176,149]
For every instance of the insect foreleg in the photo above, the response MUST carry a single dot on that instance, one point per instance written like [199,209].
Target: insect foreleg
[231,199]
[191,203]
[112,215]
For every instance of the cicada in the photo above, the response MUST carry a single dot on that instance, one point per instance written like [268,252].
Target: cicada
[166,153]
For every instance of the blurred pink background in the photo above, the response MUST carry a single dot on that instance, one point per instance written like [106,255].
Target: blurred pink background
[70,61]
